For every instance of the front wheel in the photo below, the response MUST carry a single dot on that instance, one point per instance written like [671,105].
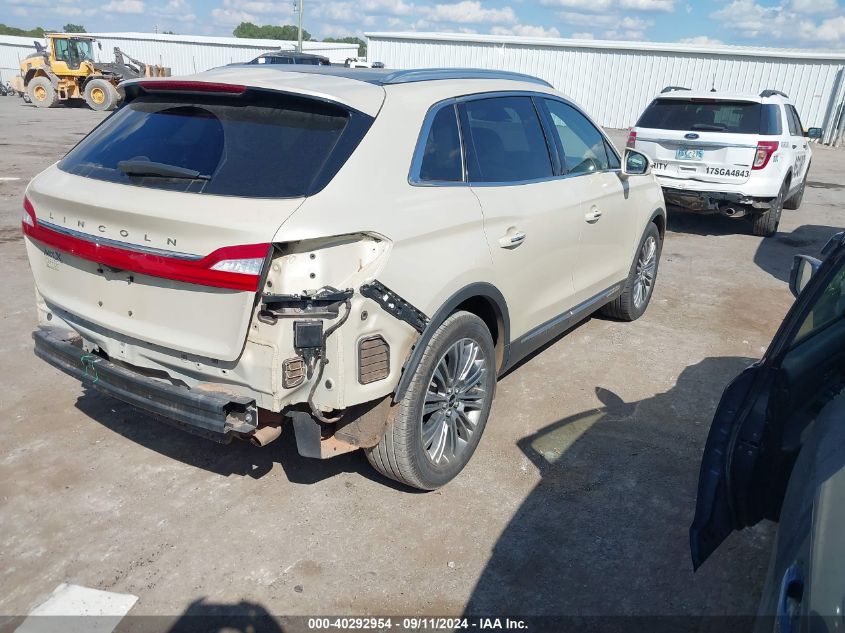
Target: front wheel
[794,203]
[443,413]
[636,294]
[42,93]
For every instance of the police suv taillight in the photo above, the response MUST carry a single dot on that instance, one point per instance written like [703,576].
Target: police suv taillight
[765,151]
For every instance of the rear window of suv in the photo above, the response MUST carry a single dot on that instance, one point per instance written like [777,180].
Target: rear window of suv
[254,146]
[706,115]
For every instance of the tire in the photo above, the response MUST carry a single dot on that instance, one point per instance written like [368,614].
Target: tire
[41,92]
[794,203]
[427,446]
[100,95]
[766,224]
[639,287]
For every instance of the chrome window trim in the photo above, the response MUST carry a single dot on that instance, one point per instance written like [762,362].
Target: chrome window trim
[416,161]
[126,246]
[414,178]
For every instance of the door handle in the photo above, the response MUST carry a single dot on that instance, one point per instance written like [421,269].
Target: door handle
[593,215]
[512,239]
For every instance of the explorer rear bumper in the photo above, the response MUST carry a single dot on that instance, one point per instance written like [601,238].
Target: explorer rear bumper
[213,414]
[711,201]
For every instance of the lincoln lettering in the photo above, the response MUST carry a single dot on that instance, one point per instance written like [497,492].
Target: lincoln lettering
[105,230]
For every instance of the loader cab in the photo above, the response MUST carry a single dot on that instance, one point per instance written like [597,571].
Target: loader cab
[70,51]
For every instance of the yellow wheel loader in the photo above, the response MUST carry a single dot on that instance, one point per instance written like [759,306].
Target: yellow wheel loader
[65,69]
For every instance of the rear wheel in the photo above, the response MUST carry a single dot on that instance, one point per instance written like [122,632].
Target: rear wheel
[100,95]
[41,92]
[636,295]
[766,224]
[794,203]
[443,413]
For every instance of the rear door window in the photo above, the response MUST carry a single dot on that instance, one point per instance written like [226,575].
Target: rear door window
[795,126]
[504,140]
[441,159]
[582,146]
[705,115]
[771,123]
[260,146]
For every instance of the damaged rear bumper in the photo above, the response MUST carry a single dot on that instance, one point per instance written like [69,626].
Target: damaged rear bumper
[213,414]
[711,201]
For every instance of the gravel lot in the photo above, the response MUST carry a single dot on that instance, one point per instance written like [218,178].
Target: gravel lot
[577,501]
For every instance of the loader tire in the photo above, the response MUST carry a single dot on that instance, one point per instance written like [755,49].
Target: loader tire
[100,95]
[41,92]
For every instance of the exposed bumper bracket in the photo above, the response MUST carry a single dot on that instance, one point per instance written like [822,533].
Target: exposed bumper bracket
[214,414]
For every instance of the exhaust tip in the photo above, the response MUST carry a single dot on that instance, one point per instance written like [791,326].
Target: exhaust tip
[264,435]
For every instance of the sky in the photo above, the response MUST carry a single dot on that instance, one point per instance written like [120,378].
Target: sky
[777,23]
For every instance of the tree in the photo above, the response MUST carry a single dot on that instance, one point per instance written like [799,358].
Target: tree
[269,32]
[12,30]
[73,28]
[362,45]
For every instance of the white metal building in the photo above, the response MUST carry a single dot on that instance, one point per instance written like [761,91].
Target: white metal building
[615,81]
[184,54]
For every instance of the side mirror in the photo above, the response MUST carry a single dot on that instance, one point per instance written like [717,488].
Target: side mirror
[635,163]
[803,269]
[815,132]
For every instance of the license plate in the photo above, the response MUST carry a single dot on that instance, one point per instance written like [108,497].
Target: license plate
[689,154]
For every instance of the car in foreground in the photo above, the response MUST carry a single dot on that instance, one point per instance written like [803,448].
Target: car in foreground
[776,450]
[358,254]
[739,155]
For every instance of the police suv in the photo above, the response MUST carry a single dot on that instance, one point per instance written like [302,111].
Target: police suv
[735,154]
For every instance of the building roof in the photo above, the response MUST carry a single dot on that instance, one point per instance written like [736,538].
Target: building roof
[671,47]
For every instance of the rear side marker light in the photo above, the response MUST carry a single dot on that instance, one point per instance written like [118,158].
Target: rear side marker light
[632,139]
[230,267]
[765,151]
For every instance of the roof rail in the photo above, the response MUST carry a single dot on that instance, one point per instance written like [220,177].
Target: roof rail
[673,89]
[772,93]
[430,74]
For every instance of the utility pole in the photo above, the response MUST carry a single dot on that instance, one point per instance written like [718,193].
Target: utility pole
[299,6]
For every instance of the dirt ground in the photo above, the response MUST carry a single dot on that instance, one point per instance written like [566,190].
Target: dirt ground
[577,501]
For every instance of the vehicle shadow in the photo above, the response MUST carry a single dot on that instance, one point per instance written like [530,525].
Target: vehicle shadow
[210,617]
[705,224]
[238,458]
[774,255]
[605,531]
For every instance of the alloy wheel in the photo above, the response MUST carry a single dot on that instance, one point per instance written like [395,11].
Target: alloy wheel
[645,271]
[453,401]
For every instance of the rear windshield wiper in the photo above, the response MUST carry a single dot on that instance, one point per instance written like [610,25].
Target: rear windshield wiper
[708,126]
[161,170]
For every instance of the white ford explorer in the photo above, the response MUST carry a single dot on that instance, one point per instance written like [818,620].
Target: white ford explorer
[735,154]
[355,253]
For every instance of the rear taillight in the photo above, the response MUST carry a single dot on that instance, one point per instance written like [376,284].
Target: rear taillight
[765,151]
[232,267]
[632,139]
[28,218]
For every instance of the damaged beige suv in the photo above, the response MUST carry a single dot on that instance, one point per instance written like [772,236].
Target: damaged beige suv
[356,253]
